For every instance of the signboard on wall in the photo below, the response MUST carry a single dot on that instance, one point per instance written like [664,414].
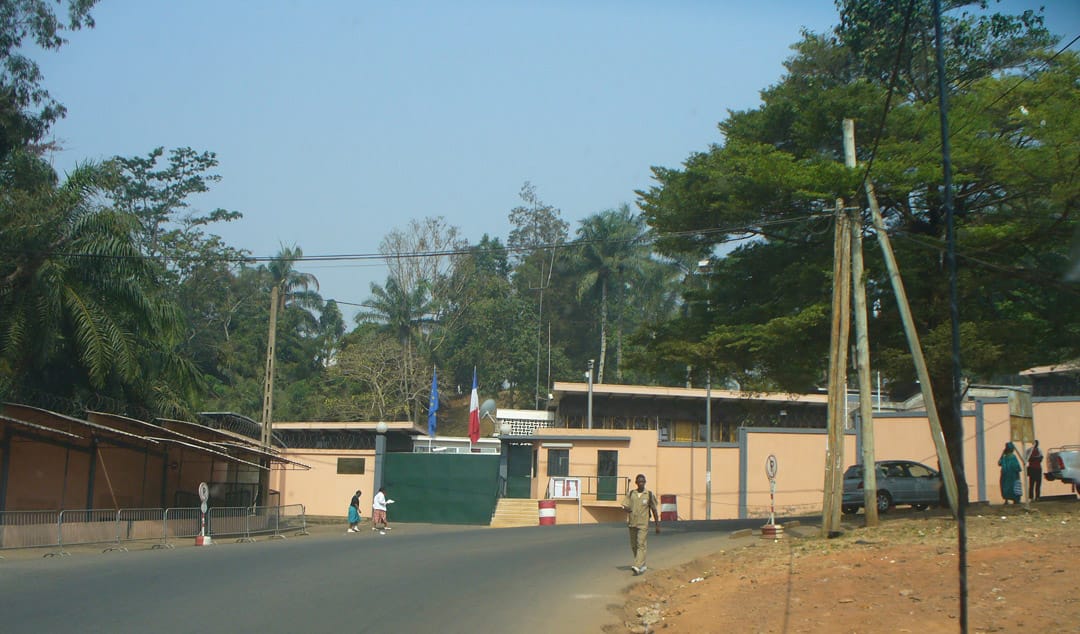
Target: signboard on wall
[1021,418]
[564,488]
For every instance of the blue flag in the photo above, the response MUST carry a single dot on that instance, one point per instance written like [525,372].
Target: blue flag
[434,405]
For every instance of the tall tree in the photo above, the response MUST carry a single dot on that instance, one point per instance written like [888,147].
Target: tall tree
[779,169]
[366,383]
[614,255]
[79,307]
[406,316]
[196,267]
[331,332]
[158,195]
[536,224]
[538,231]
[26,109]
[295,288]
[421,261]
[494,330]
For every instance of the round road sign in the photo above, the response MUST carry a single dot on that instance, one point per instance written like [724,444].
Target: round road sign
[204,492]
[770,466]
[202,507]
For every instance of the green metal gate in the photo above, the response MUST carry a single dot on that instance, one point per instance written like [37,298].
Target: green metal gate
[441,488]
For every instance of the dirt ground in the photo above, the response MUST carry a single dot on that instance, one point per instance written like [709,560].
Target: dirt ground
[1023,575]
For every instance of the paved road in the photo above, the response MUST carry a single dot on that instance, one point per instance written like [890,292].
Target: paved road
[414,579]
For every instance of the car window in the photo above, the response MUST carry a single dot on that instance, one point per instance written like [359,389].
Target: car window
[894,471]
[854,471]
[920,471]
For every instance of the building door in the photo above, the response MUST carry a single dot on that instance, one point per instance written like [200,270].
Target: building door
[607,471]
[519,471]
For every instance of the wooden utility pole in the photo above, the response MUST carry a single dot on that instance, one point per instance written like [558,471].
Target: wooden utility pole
[268,385]
[841,315]
[862,346]
[947,474]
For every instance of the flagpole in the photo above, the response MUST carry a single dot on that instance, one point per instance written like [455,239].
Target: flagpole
[433,405]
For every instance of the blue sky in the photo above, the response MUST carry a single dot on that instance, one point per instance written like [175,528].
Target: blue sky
[336,122]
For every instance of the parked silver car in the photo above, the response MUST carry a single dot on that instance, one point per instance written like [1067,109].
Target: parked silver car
[1063,463]
[898,482]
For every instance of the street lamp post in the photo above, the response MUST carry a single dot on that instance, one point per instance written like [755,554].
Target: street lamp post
[589,376]
[708,445]
[380,453]
[504,432]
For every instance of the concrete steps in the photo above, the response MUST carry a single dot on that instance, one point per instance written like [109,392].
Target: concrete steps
[515,512]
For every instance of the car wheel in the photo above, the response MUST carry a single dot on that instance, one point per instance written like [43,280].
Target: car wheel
[884,502]
[849,510]
[919,507]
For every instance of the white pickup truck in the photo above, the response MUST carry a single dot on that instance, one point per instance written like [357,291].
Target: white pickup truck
[1063,463]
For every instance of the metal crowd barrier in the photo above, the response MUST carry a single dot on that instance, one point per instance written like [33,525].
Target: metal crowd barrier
[230,521]
[60,529]
[291,517]
[179,523]
[137,525]
[29,529]
[244,521]
[87,526]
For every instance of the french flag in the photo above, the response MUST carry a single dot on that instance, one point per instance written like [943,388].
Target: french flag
[474,411]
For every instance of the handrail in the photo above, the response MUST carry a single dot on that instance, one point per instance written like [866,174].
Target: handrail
[590,488]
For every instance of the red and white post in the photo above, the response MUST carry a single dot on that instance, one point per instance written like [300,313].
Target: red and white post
[202,539]
[772,530]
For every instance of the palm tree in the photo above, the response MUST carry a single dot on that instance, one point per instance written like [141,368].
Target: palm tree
[289,287]
[79,304]
[294,287]
[406,315]
[613,254]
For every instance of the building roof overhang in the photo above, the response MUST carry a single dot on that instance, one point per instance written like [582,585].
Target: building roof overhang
[565,438]
[225,440]
[62,422]
[40,428]
[1057,368]
[405,427]
[632,392]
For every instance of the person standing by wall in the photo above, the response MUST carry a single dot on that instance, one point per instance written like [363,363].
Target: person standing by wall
[639,504]
[378,511]
[354,513]
[1034,472]
[1011,489]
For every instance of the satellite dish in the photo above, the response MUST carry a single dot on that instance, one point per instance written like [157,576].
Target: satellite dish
[487,407]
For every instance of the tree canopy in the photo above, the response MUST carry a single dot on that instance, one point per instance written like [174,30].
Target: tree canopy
[112,285]
[763,197]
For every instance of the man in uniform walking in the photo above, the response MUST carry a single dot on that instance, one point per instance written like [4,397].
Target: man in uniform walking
[639,504]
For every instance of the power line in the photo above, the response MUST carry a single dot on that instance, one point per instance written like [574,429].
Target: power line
[1026,275]
[353,257]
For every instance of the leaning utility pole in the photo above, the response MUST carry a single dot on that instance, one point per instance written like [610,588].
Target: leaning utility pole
[862,346]
[947,474]
[268,385]
[838,344]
